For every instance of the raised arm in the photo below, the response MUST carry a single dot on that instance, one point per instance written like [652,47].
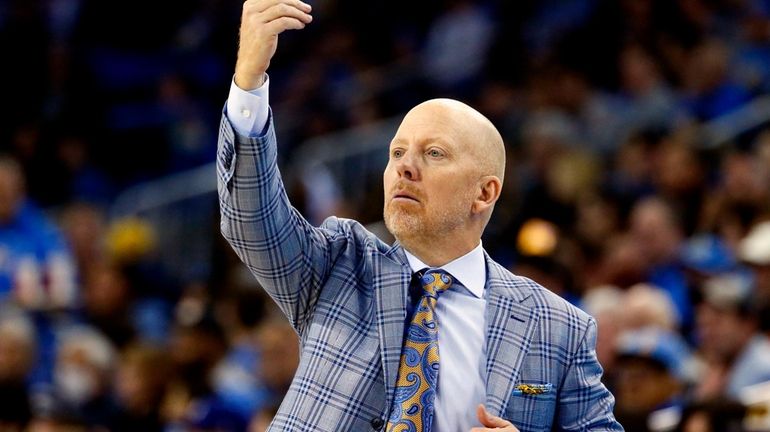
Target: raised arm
[289,257]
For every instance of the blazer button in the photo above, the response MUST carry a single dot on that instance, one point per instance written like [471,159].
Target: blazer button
[377,423]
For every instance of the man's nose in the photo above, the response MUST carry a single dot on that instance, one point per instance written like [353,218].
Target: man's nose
[407,167]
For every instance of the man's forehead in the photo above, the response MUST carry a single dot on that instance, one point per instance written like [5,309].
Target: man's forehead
[426,127]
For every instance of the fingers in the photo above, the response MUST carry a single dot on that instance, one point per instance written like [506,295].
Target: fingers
[490,421]
[276,16]
[263,5]
[279,25]
[487,419]
[283,10]
[261,23]
[481,414]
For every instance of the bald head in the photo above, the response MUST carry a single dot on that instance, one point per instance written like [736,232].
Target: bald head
[480,136]
[443,178]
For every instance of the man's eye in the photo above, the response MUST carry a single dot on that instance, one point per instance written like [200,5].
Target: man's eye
[397,153]
[435,153]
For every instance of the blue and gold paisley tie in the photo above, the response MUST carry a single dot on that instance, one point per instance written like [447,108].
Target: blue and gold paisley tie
[412,409]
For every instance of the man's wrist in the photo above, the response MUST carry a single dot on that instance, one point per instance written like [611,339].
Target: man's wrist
[248,110]
[249,82]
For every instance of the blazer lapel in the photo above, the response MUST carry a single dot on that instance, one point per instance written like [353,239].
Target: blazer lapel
[511,319]
[392,275]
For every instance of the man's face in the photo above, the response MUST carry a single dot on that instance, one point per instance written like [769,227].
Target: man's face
[432,177]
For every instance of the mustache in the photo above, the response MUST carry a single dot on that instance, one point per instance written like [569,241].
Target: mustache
[402,188]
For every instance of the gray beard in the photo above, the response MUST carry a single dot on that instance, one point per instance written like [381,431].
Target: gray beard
[407,226]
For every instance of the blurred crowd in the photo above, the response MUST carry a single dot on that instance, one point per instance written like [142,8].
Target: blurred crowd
[616,197]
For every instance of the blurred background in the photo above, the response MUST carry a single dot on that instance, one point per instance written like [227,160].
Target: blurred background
[638,188]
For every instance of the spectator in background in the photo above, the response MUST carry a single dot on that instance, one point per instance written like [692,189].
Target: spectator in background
[83,375]
[753,53]
[605,304]
[83,180]
[741,196]
[679,178]
[17,355]
[464,27]
[704,256]
[710,90]
[280,356]
[656,229]
[84,226]
[36,268]
[236,374]
[140,385]
[754,250]
[198,344]
[619,312]
[633,167]
[712,416]
[651,377]
[652,102]
[645,306]
[130,245]
[107,303]
[735,353]
[189,135]
[621,263]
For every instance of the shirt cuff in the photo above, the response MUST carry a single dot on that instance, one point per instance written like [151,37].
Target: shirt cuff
[248,111]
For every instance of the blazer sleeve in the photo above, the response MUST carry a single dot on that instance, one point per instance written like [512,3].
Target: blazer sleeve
[289,257]
[585,404]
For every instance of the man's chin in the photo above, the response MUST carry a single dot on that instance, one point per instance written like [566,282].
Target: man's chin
[403,226]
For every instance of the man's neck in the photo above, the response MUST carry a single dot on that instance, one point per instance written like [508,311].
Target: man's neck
[438,253]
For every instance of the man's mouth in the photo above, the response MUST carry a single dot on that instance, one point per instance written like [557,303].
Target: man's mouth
[404,196]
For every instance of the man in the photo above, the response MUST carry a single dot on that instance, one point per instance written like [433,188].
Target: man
[511,355]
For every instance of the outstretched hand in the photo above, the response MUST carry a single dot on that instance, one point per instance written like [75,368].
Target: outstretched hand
[261,23]
[492,423]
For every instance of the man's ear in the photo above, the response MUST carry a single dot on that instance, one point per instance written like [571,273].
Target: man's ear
[488,193]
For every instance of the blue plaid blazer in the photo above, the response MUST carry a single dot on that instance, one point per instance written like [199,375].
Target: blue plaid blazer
[344,291]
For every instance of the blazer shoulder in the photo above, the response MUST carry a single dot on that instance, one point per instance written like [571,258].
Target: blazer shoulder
[544,297]
[537,295]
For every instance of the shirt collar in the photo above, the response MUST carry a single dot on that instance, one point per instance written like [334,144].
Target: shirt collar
[470,269]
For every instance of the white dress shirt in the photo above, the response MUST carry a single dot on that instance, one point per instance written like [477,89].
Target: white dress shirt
[461,347]
[460,311]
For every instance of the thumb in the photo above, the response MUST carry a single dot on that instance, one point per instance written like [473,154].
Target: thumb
[488,420]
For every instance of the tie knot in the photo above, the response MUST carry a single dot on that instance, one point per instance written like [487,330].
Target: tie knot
[434,282]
